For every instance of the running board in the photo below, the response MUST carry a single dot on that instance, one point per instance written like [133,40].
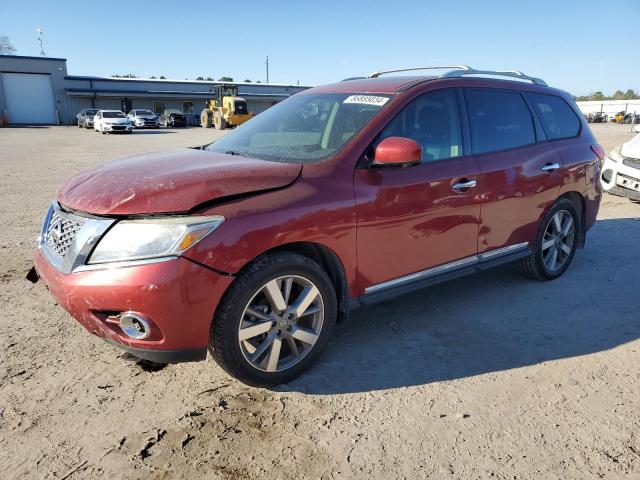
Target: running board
[443,273]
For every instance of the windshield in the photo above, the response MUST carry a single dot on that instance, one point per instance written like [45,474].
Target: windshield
[112,115]
[90,112]
[144,112]
[305,128]
[173,112]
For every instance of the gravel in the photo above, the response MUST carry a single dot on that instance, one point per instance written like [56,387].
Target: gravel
[492,375]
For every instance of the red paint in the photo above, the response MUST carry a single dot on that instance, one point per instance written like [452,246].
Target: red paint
[381,223]
[172,181]
[177,296]
[398,151]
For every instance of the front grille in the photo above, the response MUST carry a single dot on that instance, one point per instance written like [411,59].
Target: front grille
[61,232]
[631,162]
[118,127]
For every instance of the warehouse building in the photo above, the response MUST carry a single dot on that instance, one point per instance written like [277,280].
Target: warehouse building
[39,91]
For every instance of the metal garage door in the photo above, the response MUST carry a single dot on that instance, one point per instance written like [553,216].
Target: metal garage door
[28,98]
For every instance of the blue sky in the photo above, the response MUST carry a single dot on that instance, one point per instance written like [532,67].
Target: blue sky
[580,46]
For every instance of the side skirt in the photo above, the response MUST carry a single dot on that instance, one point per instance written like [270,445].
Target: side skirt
[442,273]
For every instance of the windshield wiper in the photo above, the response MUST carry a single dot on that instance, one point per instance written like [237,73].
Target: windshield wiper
[233,152]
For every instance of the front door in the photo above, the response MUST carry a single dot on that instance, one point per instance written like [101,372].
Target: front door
[413,219]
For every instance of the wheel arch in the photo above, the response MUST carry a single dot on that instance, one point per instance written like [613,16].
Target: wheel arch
[328,261]
[578,200]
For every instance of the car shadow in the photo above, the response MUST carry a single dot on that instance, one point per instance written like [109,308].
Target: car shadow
[489,322]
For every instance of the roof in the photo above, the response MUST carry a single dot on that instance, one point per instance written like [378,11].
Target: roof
[372,85]
[169,80]
[24,57]
[396,84]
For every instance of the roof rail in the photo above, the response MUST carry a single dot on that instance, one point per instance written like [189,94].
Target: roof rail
[435,67]
[457,71]
[498,73]
[352,78]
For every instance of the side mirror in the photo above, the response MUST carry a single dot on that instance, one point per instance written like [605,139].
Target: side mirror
[397,151]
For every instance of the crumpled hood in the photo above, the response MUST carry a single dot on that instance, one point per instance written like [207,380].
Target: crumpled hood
[631,149]
[170,182]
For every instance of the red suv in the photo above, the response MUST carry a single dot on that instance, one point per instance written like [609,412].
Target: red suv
[341,196]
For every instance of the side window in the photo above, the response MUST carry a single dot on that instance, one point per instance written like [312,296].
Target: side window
[558,119]
[499,120]
[432,120]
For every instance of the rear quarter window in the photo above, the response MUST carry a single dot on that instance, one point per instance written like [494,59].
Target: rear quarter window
[557,117]
[499,120]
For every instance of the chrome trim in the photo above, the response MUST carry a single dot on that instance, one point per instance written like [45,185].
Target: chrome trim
[503,251]
[446,267]
[124,264]
[87,236]
[422,274]
[464,185]
[550,167]
[127,325]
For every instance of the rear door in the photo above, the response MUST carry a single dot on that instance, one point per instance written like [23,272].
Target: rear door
[520,171]
[414,218]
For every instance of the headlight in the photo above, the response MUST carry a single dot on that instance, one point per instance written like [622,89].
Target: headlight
[615,155]
[152,238]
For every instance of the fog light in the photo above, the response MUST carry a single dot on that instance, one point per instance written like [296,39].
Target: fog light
[134,326]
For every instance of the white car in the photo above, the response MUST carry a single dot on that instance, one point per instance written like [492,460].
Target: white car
[621,170]
[110,121]
[141,118]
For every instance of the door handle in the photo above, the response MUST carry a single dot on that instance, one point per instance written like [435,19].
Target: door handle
[463,185]
[550,167]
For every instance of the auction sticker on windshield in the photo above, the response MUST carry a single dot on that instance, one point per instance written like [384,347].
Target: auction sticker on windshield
[366,100]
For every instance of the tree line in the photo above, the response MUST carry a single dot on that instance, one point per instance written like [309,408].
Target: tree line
[618,95]
[162,77]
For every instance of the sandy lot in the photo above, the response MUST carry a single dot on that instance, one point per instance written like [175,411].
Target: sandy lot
[491,376]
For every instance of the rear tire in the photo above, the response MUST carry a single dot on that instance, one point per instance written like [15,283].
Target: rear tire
[556,242]
[248,354]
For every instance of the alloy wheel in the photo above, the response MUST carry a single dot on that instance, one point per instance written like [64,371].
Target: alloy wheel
[558,240]
[281,323]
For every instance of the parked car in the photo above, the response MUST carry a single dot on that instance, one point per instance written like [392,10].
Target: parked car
[85,117]
[111,121]
[173,118]
[338,197]
[621,170]
[141,118]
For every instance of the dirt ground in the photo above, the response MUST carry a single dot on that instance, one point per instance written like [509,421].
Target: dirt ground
[491,376]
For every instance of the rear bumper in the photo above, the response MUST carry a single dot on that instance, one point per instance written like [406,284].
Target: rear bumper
[177,298]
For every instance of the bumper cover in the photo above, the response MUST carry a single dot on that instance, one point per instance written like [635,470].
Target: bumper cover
[177,297]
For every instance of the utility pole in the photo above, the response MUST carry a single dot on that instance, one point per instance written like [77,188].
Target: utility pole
[40,32]
[267,63]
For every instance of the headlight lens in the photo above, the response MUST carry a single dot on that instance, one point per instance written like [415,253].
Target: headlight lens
[615,155]
[152,238]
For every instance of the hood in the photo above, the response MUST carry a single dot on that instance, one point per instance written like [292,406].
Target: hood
[631,149]
[170,182]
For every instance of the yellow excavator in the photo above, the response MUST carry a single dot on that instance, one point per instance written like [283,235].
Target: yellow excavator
[226,109]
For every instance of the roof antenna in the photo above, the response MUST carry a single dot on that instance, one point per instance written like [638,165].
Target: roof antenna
[40,32]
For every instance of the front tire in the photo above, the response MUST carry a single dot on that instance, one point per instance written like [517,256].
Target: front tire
[556,242]
[275,320]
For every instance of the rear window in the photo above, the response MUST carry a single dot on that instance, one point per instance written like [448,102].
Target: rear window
[558,119]
[500,120]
